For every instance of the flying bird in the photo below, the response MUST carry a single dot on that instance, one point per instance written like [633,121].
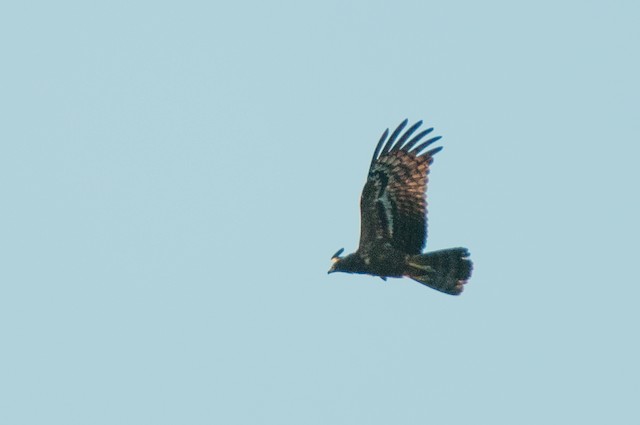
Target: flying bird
[393,208]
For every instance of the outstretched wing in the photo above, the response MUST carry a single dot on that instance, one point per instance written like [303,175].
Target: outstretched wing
[393,205]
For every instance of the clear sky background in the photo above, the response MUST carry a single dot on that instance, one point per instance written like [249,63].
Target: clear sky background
[175,176]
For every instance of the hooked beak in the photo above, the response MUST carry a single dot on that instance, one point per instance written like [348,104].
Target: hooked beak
[332,269]
[334,260]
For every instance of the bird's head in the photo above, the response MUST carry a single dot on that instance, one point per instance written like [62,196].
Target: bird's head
[335,261]
[348,264]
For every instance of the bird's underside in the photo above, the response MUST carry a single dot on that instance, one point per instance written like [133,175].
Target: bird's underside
[393,209]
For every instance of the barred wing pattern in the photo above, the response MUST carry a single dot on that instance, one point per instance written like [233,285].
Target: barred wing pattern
[393,205]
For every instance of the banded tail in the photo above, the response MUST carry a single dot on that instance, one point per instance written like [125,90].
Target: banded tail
[445,271]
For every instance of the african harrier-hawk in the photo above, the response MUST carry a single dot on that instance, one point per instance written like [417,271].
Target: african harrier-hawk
[393,211]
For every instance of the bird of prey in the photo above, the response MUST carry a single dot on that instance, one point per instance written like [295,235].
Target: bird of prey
[393,208]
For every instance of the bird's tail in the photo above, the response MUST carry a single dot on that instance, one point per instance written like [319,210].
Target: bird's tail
[446,270]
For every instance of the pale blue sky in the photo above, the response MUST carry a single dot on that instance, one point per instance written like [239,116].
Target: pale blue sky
[175,177]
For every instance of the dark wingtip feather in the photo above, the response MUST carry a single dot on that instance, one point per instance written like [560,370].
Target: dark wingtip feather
[421,147]
[416,139]
[379,146]
[394,136]
[433,151]
[406,135]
